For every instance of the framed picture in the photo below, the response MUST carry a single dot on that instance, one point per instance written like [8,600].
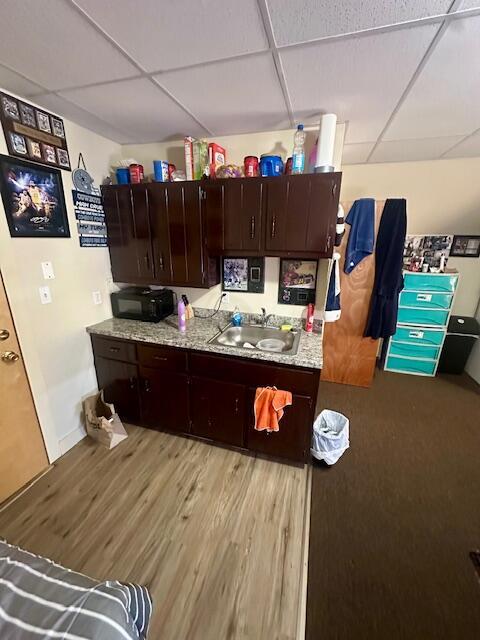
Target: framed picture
[298,281]
[33,133]
[426,253]
[243,274]
[33,199]
[465,247]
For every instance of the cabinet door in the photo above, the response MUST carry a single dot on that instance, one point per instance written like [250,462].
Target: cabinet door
[160,229]
[164,400]
[126,215]
[119,380]
[243,215]
[218,410]
[213,200]
[294,435]
[301,213]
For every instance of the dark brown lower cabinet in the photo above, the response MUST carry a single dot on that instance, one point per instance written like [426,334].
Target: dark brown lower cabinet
[291,440]
[164,399]
[218,410]
[119,380]
[206,395]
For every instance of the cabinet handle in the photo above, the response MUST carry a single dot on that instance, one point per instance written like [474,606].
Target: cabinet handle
[160,262]
[329,240]
[146,385]
[132,382]
[162,358]
[236,405]
[252,227]
[334,189]
[147,261]
[114,349]
[274,221]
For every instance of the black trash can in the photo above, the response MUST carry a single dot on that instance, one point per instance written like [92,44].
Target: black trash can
[461,335]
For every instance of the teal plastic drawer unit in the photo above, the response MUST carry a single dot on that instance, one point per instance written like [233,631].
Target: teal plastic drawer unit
[419,336]
[422,300]
[413,351]
[441,282]
[406,365]
[424,307]
[423,317]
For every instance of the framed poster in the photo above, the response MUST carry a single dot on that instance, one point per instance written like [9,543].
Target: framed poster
[91,227]
[243,274]
[33,199]
[465,247]
[298,281]
[32,133]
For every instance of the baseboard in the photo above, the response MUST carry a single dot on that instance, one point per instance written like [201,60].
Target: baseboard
[71,439]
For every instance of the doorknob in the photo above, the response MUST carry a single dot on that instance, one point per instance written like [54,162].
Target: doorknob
[10,356]
[4,334]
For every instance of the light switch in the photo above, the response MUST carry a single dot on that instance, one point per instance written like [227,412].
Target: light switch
[47,268]
[45,295]
[97,297]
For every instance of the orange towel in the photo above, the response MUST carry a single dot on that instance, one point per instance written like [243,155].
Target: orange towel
[268,407]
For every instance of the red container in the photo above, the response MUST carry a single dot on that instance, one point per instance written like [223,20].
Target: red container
[309,318]
[136,173]
[251,166]
[288,166]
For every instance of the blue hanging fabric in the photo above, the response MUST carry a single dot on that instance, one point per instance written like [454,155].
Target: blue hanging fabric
[361,239]
[332,306]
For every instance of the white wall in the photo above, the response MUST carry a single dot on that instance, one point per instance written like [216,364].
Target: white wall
[54,343]
[443,197]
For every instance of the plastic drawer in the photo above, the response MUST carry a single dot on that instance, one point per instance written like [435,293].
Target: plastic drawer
[404,365]
[413,350]
[443,283]
[419,336]
[426,300]
[427,317]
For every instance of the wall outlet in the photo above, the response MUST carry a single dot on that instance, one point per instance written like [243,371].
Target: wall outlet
[226,297]
[96,297]
[47,269]
[45,295]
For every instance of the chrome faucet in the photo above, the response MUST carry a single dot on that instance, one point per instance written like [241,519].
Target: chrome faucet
[265,317]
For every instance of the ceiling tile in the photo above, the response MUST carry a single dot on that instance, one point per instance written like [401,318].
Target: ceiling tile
[53,44]
[445,98]
[411,150]
[236,96]
[360,79]
[356,153]
[72,112]
[11,81]
[166,35]
[137,107]
[469,148]
[305,20]
[469,4]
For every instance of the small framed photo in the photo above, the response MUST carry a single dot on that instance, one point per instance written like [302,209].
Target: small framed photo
[48,153]
[57,127]
[18,143]
[34,149]
[243,274]
[465,247]
[298,281]
[27,115]
[10,107]
[43,122]
[63,159]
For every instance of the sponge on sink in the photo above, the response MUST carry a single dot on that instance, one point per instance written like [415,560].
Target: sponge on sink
[286,327]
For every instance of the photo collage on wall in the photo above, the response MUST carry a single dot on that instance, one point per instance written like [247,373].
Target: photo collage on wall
[33,134]
[428,254]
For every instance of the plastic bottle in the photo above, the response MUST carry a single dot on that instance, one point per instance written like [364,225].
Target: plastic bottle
[182,320]
[236,317]
[309,319]
[298,163]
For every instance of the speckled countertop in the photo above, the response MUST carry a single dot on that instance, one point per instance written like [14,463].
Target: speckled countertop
[200,331]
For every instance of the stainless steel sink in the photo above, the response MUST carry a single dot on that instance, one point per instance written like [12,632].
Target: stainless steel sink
[258,338]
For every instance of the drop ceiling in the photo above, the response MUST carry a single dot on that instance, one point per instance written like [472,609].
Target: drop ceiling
[403,75]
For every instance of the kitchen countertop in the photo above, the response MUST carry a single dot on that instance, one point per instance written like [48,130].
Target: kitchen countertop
[199,332]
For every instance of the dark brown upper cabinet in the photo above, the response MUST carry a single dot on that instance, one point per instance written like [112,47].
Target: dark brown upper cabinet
[157,235]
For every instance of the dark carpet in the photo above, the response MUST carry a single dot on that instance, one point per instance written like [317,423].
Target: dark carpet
[394,521]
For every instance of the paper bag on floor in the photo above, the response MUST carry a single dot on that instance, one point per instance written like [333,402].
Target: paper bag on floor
[101,421]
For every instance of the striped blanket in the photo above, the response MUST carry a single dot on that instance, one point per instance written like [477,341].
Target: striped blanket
[41,599]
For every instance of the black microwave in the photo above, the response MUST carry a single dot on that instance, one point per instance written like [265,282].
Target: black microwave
[136,303]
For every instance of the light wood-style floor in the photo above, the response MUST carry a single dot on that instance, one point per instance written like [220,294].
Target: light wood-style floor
[217,536]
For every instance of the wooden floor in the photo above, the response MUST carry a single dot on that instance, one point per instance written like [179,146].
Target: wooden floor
[216,535]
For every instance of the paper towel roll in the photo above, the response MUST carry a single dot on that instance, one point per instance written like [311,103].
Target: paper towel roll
[326,142]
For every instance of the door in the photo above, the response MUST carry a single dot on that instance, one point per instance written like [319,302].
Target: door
[218,410]
[164,400]
[301,214]
[293,436]
[22,452]
[157,196]
[119,380]
[129,237]
[243,215]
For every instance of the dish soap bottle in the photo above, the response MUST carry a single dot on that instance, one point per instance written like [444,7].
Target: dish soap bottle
[236,317]
[298,162]
[182,319]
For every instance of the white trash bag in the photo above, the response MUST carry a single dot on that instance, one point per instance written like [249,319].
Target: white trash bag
[330,436]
